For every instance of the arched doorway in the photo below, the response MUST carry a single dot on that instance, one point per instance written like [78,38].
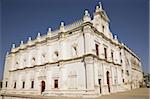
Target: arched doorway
[42,86]
[108,81]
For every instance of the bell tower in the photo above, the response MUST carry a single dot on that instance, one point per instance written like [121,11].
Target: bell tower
[101,20]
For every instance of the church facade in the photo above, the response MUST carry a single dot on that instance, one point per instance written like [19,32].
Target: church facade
[82,58]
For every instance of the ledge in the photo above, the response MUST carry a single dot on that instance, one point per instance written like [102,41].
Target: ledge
[66,60]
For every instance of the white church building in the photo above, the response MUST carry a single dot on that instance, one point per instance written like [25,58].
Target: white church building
[82,58]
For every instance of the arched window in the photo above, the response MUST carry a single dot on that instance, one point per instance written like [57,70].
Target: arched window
[43,57]
[103,28]
[24,61]
[23,84]
[105,53]
[14,84]
[42,86]
[74,50]
[56,55]
[112,56]
[97,49]
[32,84]
[6,84]
[33,61]
[17,63]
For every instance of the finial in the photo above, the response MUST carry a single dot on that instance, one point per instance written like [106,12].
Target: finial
[29,39]
[62,29]
[21,43]
[97,9]
[38,35]
[100,6]
[86,17]
[86,13]
[49,29]
[122,44]
[116,37]
[62,24]
[13,46]
[7,53]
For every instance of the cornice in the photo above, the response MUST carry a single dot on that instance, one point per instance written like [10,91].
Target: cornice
[67,60]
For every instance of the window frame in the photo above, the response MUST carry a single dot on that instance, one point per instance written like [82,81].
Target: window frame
[105,53]
[97,49]
[6,84]
[56,84]
[32,84]
[23,84]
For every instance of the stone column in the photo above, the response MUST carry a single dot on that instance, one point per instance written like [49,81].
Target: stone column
[90,73]
[89,41]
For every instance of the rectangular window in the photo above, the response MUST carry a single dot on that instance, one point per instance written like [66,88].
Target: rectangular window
[120,58]
[6,84]
[56,83]
[1,84]
[15,85]
[112,56]
[32,84]
[127,72]
[103,28]
[105,52]
[97,49]
[23,84]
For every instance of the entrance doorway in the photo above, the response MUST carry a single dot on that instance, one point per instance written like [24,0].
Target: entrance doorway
[42,86]
[100,89]
[108,82]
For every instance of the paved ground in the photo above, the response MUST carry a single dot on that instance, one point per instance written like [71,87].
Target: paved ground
[142,93]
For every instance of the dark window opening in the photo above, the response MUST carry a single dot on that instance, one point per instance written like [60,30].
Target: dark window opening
[122,71]
[56,83]
[103,28]
[1,84]
[112,56]
[43,55]
[42,86]
[97,49]
[120,53]
[23,84]
[123,80]
[17,63]
[15,85]
[32,84]
[99,82]
[56,53]
[70,32]
[6,84]
[120,58]
[105,52]
[121,61]
[127,72]
[75,50]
